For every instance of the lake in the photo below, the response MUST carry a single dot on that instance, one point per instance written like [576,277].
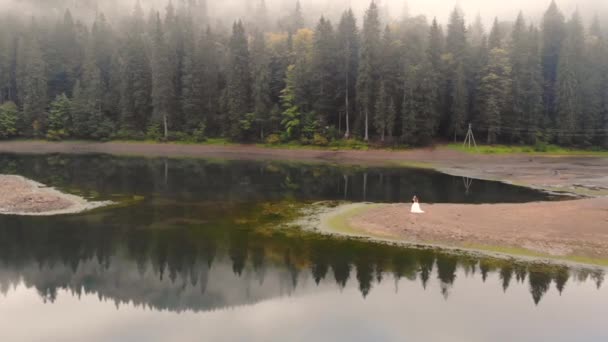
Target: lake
[198,250]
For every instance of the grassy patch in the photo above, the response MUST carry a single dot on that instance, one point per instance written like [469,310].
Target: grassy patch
[338,222]
[521,149]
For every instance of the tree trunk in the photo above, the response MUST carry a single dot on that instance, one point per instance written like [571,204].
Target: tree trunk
[165,126]
[366,125]
[347,108]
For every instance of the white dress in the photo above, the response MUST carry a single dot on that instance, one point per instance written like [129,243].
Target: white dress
[416,208]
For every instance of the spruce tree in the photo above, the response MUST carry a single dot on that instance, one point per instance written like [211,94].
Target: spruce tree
[239,80]
[381,116]
[569,83]
[495,92]
[192,85]
[457,94]
[553,34]
[59,118]
[162,77]
[325,72]
[348,58]
[136,104]
[368,67]
[261,93]
[34,86]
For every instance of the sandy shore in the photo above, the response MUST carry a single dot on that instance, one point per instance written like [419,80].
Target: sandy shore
[21,196]
[576,229]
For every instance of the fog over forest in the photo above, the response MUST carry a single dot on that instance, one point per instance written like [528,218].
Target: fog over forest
[309,72]
[229,10]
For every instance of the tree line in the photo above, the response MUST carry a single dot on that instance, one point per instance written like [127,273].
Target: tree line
[179,76]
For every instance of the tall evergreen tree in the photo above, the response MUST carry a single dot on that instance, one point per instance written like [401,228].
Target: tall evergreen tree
[192,84]
[368,66]
[238,89]
[136,104]
[261,92]
[325,72]
[495,91]
[348,58]
[553,34]
[162,80]
[34,85]
[526,109]
[569,79]
[457,97]
[381,111]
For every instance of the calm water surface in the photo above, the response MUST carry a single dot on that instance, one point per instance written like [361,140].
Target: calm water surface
[198,252]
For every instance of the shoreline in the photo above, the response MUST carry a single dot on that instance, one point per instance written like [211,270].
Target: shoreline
[25,197]
[579,175]
[456,227]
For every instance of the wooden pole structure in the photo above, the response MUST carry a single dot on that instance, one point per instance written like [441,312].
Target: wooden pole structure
[470,138]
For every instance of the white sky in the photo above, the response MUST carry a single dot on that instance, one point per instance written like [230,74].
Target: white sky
[506,10]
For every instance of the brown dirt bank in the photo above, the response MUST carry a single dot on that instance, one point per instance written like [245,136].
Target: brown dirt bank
[562,229]
[20,196]
[583,175]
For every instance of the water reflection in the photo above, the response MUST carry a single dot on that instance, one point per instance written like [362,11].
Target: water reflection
[185,179]
[206,268]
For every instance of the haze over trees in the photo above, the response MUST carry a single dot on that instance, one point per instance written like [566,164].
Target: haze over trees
[178,73]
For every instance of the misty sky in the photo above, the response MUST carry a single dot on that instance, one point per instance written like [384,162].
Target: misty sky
[231,9]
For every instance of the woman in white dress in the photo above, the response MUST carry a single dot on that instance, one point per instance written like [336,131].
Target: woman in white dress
[416,206]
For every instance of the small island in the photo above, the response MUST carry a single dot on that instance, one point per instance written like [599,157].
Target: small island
[21,196]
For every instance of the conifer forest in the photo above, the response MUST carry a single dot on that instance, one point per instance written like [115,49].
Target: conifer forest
[178,73]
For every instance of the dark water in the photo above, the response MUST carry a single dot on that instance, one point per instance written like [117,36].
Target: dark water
[204,256]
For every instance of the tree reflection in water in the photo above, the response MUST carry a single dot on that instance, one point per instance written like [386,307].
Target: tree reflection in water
[168,264]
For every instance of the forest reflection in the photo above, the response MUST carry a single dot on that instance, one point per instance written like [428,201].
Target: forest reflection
[252,181]
[203,235]
[200,269]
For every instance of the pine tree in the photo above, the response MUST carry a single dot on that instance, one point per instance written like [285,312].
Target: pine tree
[297,18]
[526,108]
[553,34]
[192,86]
[348,58]
[162,76]
[409,127]
[495,38]
[324,72]
[239,78]
[261,93]
[459,102]
[495,91]
[209,60]
[381,116]
[569,79]
[292,116]
[457,95]
[594,75]
[9,115]
[34,86]
[368,66]
[65,57]
[59,118]
[435,69]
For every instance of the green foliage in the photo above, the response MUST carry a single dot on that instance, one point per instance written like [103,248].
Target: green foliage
[512,83]
[199,134]
[320,140]
[273,139]
[9,115]
[154,132]
[59,120]
[291,115]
